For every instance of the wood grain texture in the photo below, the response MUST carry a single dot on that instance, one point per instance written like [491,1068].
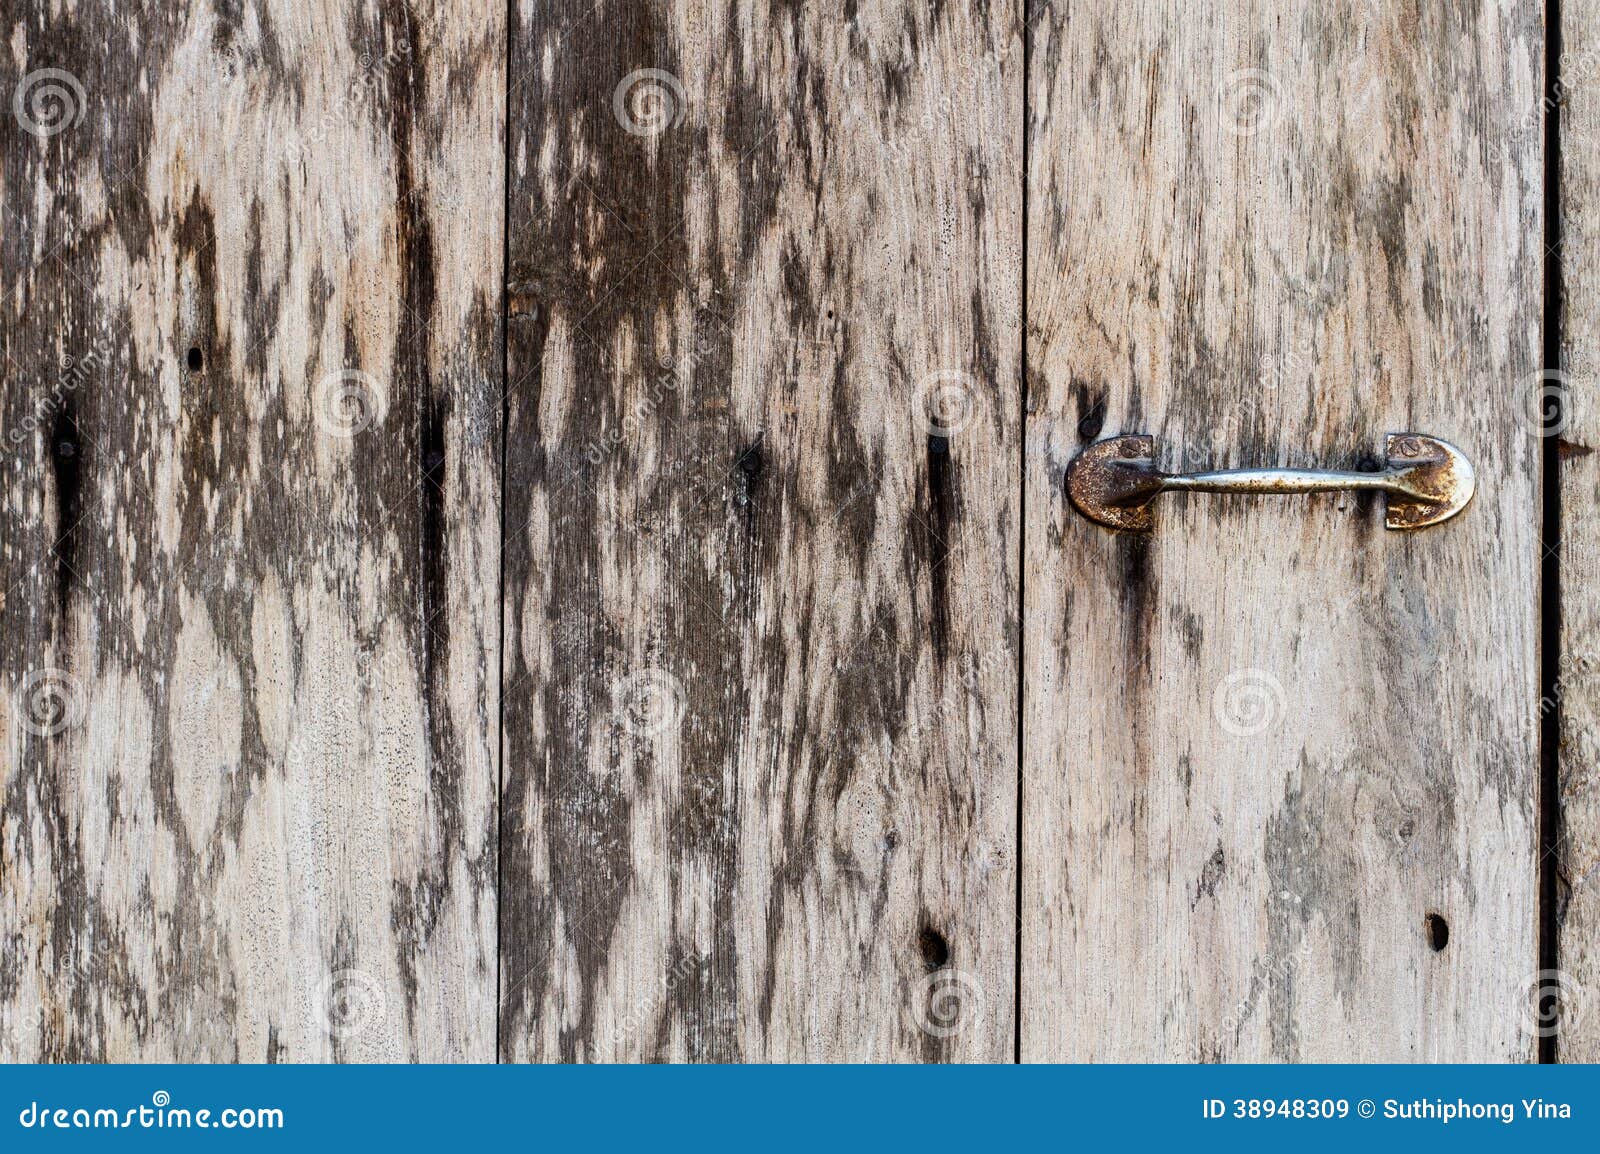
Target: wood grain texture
[249,536]
[762,532]
[745,411]
[1280,765]
[1570,1006]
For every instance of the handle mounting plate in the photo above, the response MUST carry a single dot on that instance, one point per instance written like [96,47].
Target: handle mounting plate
[1443,472]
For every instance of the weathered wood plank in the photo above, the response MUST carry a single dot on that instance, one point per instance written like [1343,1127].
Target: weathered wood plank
[1569,1006]
[249,531]
[762,532]
[1272,753]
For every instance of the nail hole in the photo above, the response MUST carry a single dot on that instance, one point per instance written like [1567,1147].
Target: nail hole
[197,359]
[1092,421]
[1438,932]
[935,950]
[750,461]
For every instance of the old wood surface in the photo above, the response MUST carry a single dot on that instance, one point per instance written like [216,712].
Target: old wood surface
[762,533]
[1273,755]
[250,533]
[1570,1006]
[523,535]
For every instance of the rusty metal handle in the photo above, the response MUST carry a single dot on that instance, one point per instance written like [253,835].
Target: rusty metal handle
[1424,481]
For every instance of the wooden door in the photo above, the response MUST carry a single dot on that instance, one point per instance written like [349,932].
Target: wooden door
[762,533]
[250,533]
[1280,765]
[539,532]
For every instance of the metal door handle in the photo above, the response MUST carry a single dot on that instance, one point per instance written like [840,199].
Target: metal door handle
[1424,481]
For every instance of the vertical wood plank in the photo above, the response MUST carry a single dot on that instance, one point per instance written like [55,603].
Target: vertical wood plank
[1569,998]
[249,535]
[762,532]
[1280,764]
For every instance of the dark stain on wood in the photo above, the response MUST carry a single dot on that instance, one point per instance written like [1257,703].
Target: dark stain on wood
[1366,500]
[1190,630]
[940,529]
[933,948]
[1091,407]
[66,461]
[1211,876]
[1136,588]
[750,464]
